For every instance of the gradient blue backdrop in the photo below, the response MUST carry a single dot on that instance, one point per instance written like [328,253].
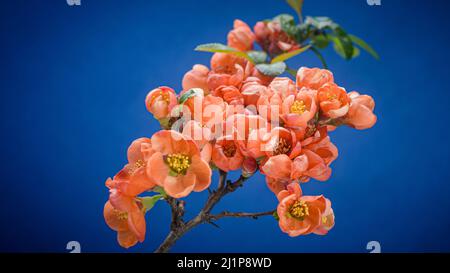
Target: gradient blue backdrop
[73,83]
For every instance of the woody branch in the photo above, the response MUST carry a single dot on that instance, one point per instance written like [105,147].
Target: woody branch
[179,227]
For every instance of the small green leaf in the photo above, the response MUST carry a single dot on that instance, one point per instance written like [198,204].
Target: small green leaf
[275,215]
[149,201]
[160,190]
[215,47]
[288,25]
[361,43]
[343,46]
[320,56]
[320,41]
[272,70]
[164,122]
[356,52]
[288,55]
[188,94]
[292,72]
[221,48]
[297,5]
[320,22]
[257,57]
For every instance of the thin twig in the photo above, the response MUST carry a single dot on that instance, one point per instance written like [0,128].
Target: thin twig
[180,227]
[241,214]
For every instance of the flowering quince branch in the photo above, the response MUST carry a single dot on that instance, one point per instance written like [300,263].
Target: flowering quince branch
[238,114]
[179,227]
[241,214]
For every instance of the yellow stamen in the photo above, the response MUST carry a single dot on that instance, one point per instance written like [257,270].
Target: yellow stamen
[299,209]
[121,215]
[298,107]
[178,163]
[139,163]
[283,147]
[324,220]
[163,95]
[331,96]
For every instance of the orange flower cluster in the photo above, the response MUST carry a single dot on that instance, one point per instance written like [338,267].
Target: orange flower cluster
[231,116]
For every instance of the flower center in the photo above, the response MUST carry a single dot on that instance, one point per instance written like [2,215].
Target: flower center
[162,95]
[121,215]
[299,209]
[178,163]
[139,163]
[229,150]
[283,147]
[331,96]
[298,107]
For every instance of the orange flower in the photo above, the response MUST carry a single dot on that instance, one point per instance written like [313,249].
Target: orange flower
[313,78]
[226,69]
[333,100]
[321,145]
[123,212]
[240,126]
[128,221]
[274,142]
[226,155]
[297,110]
[196,78]
[277,185]
[360,115]
[241,37]
[299,215]
[160,101]
[201,135]
[252,89]
[269,106]
[176,165]
[273,39]
[326,221]
[307,164]
[209,111]
[283,86]
[133,179]
[230,94]
[270,103]
[195,131]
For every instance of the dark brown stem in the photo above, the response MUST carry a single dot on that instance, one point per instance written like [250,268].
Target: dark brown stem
[179,227]
[241,214]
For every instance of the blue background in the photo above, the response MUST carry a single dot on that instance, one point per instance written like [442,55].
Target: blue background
[73,83]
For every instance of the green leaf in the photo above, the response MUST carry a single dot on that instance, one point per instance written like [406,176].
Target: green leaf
[275,215]
[320,22]
[297,5]
[149,201]
[288,25]
[221,48]
[320,41]
[272,70]
[257,56]
[160,190]
[361,43]
[343,46]
[356,52]
[320,56]
[292,72]
[188,94]
[215,47]
[288,55]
